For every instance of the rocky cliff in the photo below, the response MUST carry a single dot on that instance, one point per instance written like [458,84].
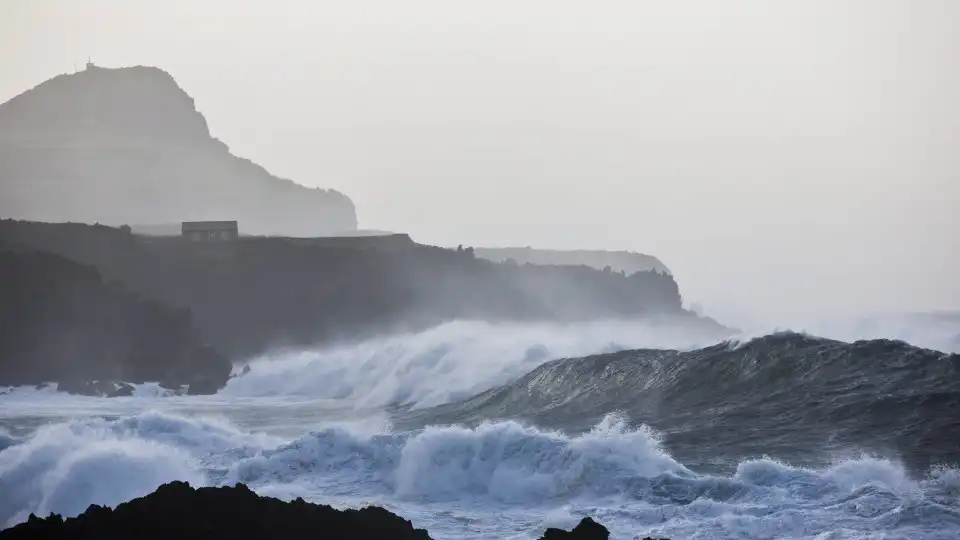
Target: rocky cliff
[127,146]
[256,293]
[60,322]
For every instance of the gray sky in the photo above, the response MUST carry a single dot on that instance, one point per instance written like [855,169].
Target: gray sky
[785,158]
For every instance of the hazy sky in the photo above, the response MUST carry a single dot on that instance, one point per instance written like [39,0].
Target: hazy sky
[784,158]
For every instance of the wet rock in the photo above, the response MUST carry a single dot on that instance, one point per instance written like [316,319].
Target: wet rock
[176,510]
[96,388]
[121,389]
[587,529]
[203,387]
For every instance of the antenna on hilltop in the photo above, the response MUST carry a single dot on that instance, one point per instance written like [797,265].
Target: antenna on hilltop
[89,63]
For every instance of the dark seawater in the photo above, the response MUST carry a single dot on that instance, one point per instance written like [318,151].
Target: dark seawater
[803,399]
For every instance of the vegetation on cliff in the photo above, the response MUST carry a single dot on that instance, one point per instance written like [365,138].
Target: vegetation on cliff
[617,261]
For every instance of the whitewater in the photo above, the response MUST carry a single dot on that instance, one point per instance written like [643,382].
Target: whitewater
[477,430]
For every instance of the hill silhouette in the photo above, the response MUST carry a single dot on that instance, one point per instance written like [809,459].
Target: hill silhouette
[125,146]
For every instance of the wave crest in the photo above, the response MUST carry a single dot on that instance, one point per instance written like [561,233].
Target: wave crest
[65,467]
[792,392]
[445,363]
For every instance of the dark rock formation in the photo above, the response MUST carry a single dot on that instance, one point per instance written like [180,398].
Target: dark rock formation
[587,529]
[627,262]
[125,146]
[96,388]
[176,510]
[59,321]
[256,293]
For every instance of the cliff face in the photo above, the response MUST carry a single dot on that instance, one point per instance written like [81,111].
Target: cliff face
[618,261]
[59,322]
[125,146]
[256,293]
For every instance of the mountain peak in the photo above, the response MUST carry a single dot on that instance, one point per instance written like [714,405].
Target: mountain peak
[128,146]
[122,105]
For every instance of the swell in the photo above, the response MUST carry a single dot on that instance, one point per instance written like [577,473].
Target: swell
[789,395]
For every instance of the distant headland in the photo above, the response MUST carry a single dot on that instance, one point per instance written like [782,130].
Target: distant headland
[244,295]
[127,146]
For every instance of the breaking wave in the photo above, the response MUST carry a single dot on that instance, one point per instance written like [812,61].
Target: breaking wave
[785,435]
[446,363]
[786,394]
[64,467]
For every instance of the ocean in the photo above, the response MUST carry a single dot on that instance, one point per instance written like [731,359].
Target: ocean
[496,431]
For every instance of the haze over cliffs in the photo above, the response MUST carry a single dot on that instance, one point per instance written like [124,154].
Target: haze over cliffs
[254,294]
[127,146]
[618,261]
[61,322]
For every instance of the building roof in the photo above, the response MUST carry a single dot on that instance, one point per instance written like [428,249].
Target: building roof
[188,226]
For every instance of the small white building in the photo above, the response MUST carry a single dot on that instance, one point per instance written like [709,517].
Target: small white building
[209,231]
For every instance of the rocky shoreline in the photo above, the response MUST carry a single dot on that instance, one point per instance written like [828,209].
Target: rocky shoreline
[177,510]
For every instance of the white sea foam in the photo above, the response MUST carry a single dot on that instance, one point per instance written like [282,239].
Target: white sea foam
[503,473]
[65,467]
[509,462]
[459,359]
[332,443]
[445,363]
[498,469]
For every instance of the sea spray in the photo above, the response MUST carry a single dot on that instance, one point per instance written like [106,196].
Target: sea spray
[63,468]
[786,435]
[445,363]
[620,474]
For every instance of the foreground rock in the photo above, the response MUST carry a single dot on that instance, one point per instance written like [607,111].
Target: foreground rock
[587,529]
[177,510]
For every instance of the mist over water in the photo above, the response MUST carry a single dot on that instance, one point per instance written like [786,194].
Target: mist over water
[937,331]
[228,215]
